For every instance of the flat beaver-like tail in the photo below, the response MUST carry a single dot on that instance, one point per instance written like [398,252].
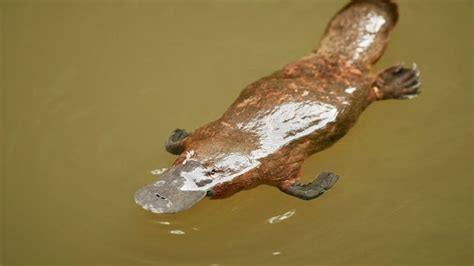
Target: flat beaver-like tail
[359,31]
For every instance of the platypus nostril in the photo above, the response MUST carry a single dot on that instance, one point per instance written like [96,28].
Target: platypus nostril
[159,196]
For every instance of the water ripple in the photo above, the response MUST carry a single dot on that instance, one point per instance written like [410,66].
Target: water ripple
[281,217]
[177,232]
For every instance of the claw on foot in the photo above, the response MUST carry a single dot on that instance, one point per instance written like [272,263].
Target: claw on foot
[313,189]
[174,144]
[398,82]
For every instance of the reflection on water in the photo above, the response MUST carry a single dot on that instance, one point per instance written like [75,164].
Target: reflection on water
[282,217]
[177,232]
[91,90]
[163,222]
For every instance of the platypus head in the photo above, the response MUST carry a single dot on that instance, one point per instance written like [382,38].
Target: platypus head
[169,194]
[190,179]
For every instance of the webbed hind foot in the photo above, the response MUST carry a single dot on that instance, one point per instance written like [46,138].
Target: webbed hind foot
[174,144]
[397,82]
[314,189]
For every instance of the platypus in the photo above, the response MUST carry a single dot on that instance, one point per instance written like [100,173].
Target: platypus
[282,119]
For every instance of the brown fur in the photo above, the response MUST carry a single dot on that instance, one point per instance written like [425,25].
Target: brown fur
[336,77]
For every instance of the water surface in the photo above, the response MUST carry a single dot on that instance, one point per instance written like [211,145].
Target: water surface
[91,89]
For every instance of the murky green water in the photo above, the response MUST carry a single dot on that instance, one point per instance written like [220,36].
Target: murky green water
[91,90]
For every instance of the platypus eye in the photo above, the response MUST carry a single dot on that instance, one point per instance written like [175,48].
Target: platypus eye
[213,171]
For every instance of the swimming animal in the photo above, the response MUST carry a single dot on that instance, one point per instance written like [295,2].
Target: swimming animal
[282,119]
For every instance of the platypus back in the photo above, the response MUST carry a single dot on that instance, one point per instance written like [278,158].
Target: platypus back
[359,31]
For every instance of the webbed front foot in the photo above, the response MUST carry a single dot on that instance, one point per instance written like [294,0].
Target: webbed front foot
[175,144]
[397,82]
[314,189]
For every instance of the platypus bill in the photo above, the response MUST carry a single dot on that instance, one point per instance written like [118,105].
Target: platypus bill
[282,119]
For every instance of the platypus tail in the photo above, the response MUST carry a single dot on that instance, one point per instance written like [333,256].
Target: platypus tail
[359,32]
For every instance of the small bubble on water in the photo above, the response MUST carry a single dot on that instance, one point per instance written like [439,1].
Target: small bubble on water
[177,232]
[158,171]
[276,253]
